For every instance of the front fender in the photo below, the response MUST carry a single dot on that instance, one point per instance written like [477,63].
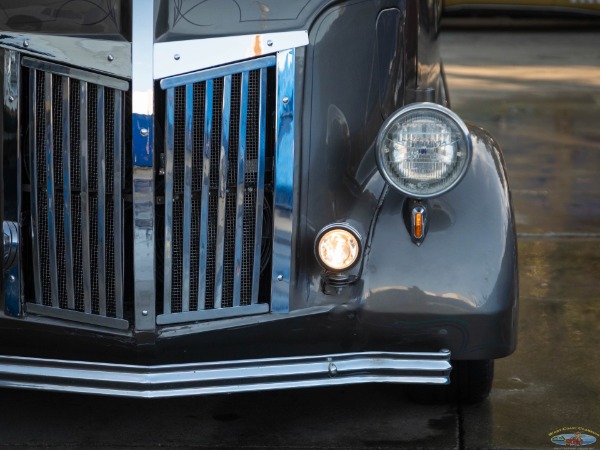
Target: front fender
[461,285]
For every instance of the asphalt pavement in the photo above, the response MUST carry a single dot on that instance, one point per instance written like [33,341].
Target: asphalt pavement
[538,93]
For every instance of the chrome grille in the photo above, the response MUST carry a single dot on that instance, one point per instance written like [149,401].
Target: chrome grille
[215,160]
[77,158]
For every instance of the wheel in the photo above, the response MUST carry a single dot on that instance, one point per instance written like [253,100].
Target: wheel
[470,382]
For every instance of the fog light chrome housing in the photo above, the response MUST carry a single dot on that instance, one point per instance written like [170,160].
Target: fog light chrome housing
[11,244]
[337,247]
[423,150]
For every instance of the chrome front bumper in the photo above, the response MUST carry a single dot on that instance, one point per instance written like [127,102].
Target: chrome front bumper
[224,377]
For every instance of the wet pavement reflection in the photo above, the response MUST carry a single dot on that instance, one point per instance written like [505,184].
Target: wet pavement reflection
[552,380]
[544,108]
[538,93]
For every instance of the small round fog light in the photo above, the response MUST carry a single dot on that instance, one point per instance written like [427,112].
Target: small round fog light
[337,248]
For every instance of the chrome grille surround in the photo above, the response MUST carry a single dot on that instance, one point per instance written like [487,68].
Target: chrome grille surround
[215,152]
[76,170]
[73,290]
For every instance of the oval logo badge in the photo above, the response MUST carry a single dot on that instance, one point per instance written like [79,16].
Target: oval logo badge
[576,439]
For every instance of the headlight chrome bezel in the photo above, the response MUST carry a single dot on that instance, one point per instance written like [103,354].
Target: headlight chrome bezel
[439,111]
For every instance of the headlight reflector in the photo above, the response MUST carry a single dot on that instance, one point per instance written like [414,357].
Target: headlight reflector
[337,248]
[423,150]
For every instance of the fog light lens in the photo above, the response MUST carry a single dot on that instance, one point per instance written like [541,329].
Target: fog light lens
[338,249]
[423,150]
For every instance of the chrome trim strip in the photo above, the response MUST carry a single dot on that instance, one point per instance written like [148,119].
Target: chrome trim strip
[284,182]
[101,193]
[11,185]
[193,328]
[217,72]
[143,164]
[76,316]
[169,158]
[187,196]
[222,201]
[239,213]
[84,197]
[260,186]
[89,53]
[118,175]
[206,152]
[33,125]
[174,58]
[224,377]
[49,147]
[66,162]
[212,314]
[77,74]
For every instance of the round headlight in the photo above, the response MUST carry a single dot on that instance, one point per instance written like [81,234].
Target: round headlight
[337,248]
[423,150]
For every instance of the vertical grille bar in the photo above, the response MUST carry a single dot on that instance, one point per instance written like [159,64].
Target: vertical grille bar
[33,106]
[239,214]
[187,196]
[66,160]
[206,153]
[169,157]
[101,171]
[84,197]
[260,184]
[118,202]
[222,200]
[49,144]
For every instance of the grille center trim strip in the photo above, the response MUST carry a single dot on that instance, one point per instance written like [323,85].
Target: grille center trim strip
[143,165]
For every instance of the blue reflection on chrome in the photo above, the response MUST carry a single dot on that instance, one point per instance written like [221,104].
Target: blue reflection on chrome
[284,182]
[142,132]
[12,297]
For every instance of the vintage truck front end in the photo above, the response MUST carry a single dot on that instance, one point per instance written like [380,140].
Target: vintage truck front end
[171,174]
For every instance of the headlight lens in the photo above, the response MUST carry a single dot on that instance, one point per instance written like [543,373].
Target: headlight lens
[423,150]
[337,248]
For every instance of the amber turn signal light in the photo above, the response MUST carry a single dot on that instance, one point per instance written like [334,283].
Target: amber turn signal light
[417,221]
[418,227]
